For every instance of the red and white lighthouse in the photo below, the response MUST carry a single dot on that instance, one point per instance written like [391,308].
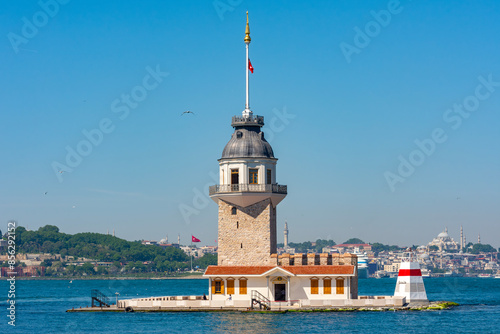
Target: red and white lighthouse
[410,283]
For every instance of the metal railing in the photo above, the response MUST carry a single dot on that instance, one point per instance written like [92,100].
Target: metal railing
[264,188]
[259,299]
[408,257]
[250,120]
[99,298]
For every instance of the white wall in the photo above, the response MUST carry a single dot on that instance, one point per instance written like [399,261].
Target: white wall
[300,288]
[253,283]
[244,165]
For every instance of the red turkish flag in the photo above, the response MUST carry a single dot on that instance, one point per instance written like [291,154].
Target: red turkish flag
[194,239]
[250,67]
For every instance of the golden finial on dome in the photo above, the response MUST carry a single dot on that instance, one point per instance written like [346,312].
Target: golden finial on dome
[247,32]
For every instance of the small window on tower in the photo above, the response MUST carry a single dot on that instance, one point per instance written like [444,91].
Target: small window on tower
[237,224]
[241,246]
[233,210]
[235,179]
[253,176]
[268,177]
[239,134]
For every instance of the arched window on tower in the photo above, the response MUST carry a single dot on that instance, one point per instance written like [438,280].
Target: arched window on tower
[233,210]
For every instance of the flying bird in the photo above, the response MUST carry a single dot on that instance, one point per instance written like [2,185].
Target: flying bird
[187,112]
[45,193]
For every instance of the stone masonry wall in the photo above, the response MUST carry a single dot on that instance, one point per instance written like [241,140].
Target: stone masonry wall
[247,238]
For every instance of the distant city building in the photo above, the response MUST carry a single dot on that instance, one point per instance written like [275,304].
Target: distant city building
[349,248]
[164,241]
[444,242]
[162,245]
[193,251]
[149,242]
[392,268]
[208,249]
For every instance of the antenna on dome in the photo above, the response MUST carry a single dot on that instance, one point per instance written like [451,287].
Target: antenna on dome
[247,112]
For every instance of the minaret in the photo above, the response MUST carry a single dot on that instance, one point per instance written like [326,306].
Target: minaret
[285,238]
[113,232]
[247,193]
[179,239]
[461,238]
[479,238]
[166,239]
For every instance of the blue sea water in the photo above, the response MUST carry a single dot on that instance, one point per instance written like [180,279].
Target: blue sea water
[41,306]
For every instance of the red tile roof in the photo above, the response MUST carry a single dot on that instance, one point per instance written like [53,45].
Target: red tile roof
[320,270]
[237,270]
[296,270]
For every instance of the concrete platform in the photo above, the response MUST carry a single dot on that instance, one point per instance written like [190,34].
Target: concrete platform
[197,304]
[440,305]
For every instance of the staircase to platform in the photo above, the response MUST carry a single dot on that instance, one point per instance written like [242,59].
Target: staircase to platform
[259,299]
[99,299]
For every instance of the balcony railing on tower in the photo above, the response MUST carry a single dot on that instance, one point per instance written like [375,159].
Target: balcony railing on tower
[249,120]
[264,188]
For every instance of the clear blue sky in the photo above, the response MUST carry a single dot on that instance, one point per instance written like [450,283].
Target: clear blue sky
[358,100]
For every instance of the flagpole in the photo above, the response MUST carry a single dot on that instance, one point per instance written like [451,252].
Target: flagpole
[247,104]
[247,40]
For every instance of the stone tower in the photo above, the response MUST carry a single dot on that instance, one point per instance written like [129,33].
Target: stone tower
[247,193]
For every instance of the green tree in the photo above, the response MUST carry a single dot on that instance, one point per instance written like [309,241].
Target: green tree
[353,241]
[70,270]
[205,261]
[46,263]
[482,248]
[87,268]
[101,270]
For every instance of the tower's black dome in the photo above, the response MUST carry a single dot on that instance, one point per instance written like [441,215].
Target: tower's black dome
[247,142]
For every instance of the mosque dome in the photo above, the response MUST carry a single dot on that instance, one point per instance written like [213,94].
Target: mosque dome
[443,235]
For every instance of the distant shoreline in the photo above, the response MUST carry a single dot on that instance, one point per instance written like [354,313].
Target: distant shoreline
[101,278]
